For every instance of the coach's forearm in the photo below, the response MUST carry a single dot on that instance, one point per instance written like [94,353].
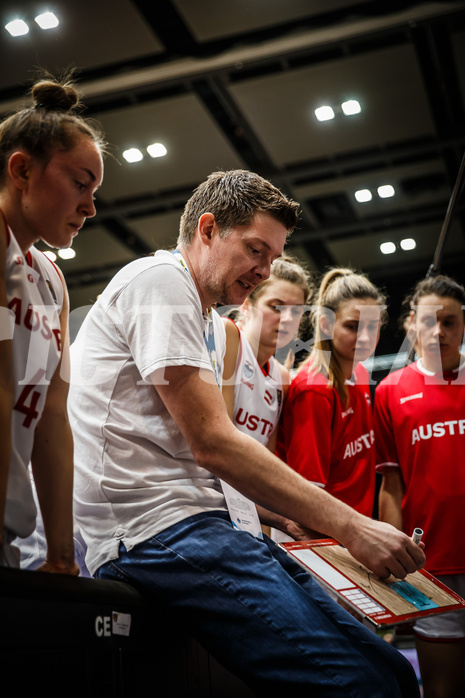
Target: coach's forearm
[258,474]
[199,410]
[249,467]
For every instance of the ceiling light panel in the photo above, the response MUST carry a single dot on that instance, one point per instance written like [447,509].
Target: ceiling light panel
[325,113]
[156,150]
[408,244]
[47,20]
[351,107]
[363,195]
[387,247]
[67,253]
[132,155]
[386,191]
[17,27]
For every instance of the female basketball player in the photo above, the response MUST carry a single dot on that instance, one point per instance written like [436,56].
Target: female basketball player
[255,383]
[327,432]
[420,445]
[50,168]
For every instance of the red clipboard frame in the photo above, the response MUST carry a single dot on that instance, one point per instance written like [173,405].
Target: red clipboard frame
[360,600]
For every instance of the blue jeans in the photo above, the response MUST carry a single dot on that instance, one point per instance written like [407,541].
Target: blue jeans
[260,614]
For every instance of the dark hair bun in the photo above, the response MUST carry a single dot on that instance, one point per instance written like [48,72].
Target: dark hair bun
[54,96]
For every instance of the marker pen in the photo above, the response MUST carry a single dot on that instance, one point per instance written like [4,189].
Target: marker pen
[417,534]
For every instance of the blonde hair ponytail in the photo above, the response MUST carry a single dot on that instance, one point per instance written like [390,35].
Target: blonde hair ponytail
[337,286]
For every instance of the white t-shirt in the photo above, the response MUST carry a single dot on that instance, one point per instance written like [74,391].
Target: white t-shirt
[134,472]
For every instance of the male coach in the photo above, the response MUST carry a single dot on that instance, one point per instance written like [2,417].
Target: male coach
[156,453]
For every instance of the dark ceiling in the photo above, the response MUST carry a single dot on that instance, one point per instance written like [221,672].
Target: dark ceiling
[234,83]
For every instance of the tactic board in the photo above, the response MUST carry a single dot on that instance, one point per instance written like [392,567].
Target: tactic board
[382,602]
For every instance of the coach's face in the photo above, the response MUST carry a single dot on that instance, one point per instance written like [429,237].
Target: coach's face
[239,262]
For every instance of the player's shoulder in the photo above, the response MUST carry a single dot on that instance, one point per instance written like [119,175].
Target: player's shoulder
[361,371]
[396,376]
[310,383]
[45,264]
[231,329]
[307,375]
[280,370]
[398,383]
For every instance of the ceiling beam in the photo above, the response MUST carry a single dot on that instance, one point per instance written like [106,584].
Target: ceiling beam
[236,58]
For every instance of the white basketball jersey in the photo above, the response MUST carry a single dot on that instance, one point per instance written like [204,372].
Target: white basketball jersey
[258,395]
[35,299]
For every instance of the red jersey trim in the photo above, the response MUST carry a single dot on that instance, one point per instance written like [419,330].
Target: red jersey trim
[52,263]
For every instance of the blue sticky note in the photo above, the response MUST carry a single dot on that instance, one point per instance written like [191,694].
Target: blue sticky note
[414,596]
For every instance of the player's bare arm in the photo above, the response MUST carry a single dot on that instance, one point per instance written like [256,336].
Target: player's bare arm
[6,381]
[52,466]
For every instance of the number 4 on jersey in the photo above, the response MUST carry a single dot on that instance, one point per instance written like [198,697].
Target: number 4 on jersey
[28,399]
